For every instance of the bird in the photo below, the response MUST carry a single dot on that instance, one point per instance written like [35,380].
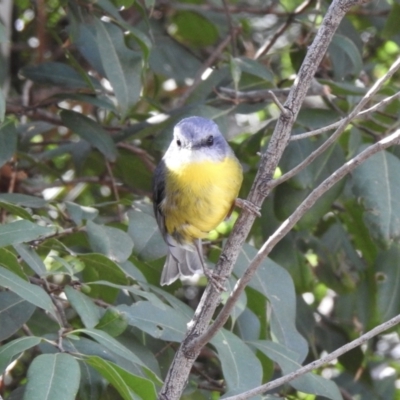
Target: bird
[195,187]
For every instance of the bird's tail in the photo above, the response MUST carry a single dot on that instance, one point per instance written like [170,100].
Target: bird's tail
[182,262]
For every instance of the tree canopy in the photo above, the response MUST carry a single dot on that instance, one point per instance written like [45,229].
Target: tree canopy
[89,94]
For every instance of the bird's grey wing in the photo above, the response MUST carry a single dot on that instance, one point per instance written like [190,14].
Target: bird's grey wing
[159,195]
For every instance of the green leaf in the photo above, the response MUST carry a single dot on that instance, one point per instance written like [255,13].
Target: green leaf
[31,258]
[289,362]
[391,27]
[240,366]
[110,343]
[2,106]
[84,306]
[3,33]
[9,260]
[80,213]
[21,231]
[113,322]
[387,276]
[254,67]
[90,131]
[148,243]
[14,348]
[53,376]
[377,184]
[161,323]
[121,64]
[8,138]
[112,242]
[57,74]
[240,305]
[23,200]
[16,210]
[122,380]
[14,312]
[31,293]
[275,283]
[107,270]
[345,57]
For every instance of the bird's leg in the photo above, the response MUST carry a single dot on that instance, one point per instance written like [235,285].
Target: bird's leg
[248,206]
[211,275]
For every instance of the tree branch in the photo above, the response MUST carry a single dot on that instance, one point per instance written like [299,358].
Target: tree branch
[188,351]
[318,363]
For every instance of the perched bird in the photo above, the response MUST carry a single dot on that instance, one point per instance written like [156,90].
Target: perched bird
[195,187]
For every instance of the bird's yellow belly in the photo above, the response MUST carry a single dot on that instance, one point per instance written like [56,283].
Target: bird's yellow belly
[198,196]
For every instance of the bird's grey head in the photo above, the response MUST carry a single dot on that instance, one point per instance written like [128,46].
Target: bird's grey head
[201,138]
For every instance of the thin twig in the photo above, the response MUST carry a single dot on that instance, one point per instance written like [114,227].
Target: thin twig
[343,125]
[115,190]
[231,28]
[318,363]
[286,226]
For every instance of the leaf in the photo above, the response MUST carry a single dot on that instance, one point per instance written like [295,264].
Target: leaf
[113,322]
[391,27]
[148,243]
[80,213]
[9,260]
[275,283]
[255,68]
[121,64]
[107,270]
[16,210]
[23,200]
[31,258]
[21,231]
[240,305]
[84,306]
[90,131]
[10,350]
[240,366]
[14,312]
[53,376]
[377,184]
[110,343]
[123,380]
[2,106]
[112,242]
[8,137]
[345,57]
[388,283]
[31,293]
[57,74]
[3,33]
[160,323]
[288,361]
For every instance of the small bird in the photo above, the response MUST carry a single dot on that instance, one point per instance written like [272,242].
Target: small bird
[195,187]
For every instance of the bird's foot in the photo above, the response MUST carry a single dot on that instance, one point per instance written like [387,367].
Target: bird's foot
[215,279]
[248,206]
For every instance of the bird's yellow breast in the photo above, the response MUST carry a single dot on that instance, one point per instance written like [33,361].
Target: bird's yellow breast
[198,196]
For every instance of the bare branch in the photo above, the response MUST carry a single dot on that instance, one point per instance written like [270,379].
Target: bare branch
[288,224]
[318,363]
[371,92]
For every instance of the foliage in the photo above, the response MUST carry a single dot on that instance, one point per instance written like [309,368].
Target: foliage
[87,107]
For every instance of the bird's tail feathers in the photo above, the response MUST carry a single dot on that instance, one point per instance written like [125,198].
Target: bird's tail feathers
[182,262]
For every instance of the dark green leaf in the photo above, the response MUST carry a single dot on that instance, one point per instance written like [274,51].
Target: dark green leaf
[288,361]
[112,242]
[31,293]
[122,380]
[91,131]
[377,184]
[9,260]
[84,306]
[80,213]
[254,67]
[16,210]
[121,64]
[14,348]
[113,322]
[275,283]
[58,74]
[391,27]
[8,138]
[53,376]
[240,366]
[30,256]
[23,200]
[148,243]
[14,312]
[21,231]
[161,323]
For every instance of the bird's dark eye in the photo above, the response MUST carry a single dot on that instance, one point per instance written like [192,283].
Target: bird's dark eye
[210,141]
[178,142]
